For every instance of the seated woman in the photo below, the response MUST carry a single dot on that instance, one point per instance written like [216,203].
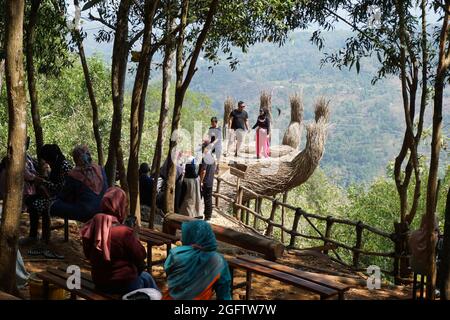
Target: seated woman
[190,203]
[83,190]
[116,255]
[47,190]
[196,270]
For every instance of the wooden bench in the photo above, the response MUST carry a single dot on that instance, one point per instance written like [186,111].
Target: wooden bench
[7,296]
[58,277]
[156,238]
[253,268]
[310,276]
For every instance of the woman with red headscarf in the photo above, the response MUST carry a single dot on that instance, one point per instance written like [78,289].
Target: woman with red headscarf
[116,255]
[83,189]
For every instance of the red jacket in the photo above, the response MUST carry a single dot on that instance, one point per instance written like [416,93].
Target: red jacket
[127,259]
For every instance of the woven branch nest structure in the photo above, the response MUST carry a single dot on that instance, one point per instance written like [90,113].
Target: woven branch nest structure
[278,176]
[292,136]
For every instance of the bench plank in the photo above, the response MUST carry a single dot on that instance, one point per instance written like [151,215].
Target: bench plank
[313,277]
[283,277]
[61,283]
[7,296]
[161,234]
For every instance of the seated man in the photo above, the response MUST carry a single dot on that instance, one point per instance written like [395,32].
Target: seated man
[116,255]
[145,185]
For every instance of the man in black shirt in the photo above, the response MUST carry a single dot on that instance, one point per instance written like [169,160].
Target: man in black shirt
[238,126]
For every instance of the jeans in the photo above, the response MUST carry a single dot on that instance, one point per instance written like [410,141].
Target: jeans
[144,280]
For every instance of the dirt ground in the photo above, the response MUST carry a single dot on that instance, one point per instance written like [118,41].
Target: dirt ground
[263,288]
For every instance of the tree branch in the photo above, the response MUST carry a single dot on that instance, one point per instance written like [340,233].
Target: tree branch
[199,44]
[102,21]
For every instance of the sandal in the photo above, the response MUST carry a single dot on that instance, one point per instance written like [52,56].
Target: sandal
[36,251]
[52,255]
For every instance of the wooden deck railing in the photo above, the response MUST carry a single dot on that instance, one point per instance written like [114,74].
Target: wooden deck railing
[250,213]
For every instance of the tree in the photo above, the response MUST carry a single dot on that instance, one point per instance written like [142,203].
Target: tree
[182,83]
[9,228]
[138,106]
[439,84]
[30,40]
[169,51]
[444,284]
[404,52]
[77,37]
[119,69]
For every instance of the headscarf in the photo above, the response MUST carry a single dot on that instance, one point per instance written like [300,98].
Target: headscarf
[52,154]
[192,267]
[87,173]
[98,229]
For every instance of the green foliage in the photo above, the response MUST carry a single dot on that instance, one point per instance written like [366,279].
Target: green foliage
[66,112]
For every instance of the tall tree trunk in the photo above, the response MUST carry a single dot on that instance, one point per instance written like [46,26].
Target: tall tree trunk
[182,85]
[87,78]
[138,108]
[118,73]
[163,119]
[9,228]
[443,64]
[30,38]
[444,268]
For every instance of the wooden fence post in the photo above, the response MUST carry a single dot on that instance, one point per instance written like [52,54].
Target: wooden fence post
[239,197]
[269,229]
[328,232]
[298,214]
[283,209]
[356,253]
[217,191]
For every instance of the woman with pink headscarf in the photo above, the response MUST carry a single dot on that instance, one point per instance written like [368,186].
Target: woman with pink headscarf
[116,255]
[83,189]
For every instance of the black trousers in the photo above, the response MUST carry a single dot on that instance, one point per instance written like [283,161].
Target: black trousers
[37,211]
[207,198]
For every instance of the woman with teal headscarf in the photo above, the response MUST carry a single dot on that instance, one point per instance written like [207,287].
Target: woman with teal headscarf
[196,270]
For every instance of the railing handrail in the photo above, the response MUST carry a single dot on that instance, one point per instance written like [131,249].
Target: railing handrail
[240,209]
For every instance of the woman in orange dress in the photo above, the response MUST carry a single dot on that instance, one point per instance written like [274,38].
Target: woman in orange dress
[195,270]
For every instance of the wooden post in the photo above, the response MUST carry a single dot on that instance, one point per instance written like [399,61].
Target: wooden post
[256,210]
[283,211]
[247,214]
[239,197]
[328,232]
[298,214]
[269,230]
[248,285]
[217,191]
[356,254]
[401,265]
[238,188]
